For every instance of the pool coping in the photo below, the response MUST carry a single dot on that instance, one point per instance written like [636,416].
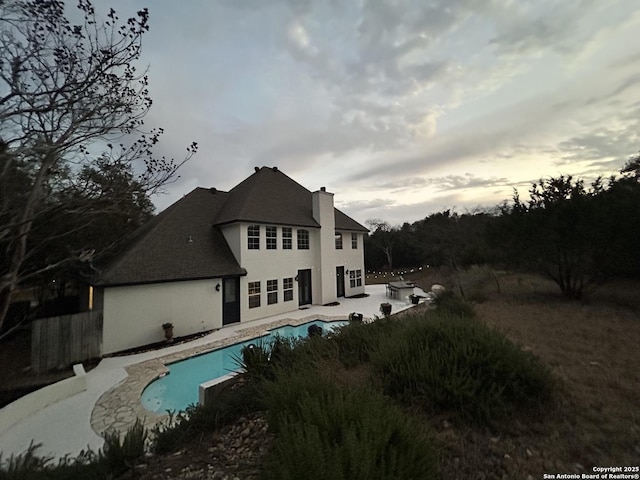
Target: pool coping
[119,407]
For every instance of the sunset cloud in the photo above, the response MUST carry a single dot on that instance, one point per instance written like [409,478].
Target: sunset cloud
[433,105]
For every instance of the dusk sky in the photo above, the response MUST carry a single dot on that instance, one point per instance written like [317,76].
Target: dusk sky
[400,108]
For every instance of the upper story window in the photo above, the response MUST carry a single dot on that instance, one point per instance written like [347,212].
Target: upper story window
[272,238]
[253,237]
[303,239]
[338,237]
[286,238]
[354,240]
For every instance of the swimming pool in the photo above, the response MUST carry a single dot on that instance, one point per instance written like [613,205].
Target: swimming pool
[179,388]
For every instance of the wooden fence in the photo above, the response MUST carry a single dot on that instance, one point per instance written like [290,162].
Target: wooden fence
[58,342]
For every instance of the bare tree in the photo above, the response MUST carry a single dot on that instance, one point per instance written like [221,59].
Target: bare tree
[382,237]
[66,90]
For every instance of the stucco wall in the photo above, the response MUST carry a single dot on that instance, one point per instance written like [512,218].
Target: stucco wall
[351,259]
[134,315]
[263,265]
[233,236]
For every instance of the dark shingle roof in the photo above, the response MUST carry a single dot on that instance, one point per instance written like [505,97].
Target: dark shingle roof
[160,251]
[344,222]
[270,196]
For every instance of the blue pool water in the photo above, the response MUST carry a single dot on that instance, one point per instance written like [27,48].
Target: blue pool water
[179,389]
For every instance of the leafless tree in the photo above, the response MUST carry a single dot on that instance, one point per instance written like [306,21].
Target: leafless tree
[69,94]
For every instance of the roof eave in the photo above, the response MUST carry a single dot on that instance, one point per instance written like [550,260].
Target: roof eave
[170,280]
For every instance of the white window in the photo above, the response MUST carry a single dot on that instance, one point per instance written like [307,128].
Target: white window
[303,239]
[254,294]
[287,285]
[354,241]
[355,278]
[253,237]
[286,238]
[272,292]
[338,237]
[272,238]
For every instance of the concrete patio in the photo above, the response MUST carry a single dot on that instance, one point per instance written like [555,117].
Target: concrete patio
[112,397]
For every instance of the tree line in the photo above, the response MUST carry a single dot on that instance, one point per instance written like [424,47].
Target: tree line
[76,164]
[574,233]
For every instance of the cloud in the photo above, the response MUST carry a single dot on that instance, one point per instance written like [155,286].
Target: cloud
[527,29]
[467,181]
[448,97]
[397,213]
[440,184]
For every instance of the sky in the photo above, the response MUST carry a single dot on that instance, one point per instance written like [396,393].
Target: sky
[401,108]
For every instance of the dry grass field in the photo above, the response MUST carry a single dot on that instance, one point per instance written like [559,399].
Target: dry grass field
[593,350]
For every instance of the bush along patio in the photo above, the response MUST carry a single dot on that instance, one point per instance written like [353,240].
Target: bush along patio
[365,402]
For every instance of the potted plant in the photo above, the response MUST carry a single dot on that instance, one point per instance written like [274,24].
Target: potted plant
[415,299]
[385,309]
[168,330]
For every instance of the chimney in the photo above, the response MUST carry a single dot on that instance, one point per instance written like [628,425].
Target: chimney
[322,209]
[275,169]
[213,190]
[325,255]
[257,169]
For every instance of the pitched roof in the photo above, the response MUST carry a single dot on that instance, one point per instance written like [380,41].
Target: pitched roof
[270,196]
[344,222]
[178,244]
[160,251]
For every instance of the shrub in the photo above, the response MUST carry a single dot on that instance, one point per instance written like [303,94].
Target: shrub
[115,458]
[24,466]
[356,341]
[456,365]
[30,466]
[448,303]
[327,432]
[254,359]
[120,456]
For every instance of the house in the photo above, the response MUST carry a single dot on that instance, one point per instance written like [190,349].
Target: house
[214,258]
